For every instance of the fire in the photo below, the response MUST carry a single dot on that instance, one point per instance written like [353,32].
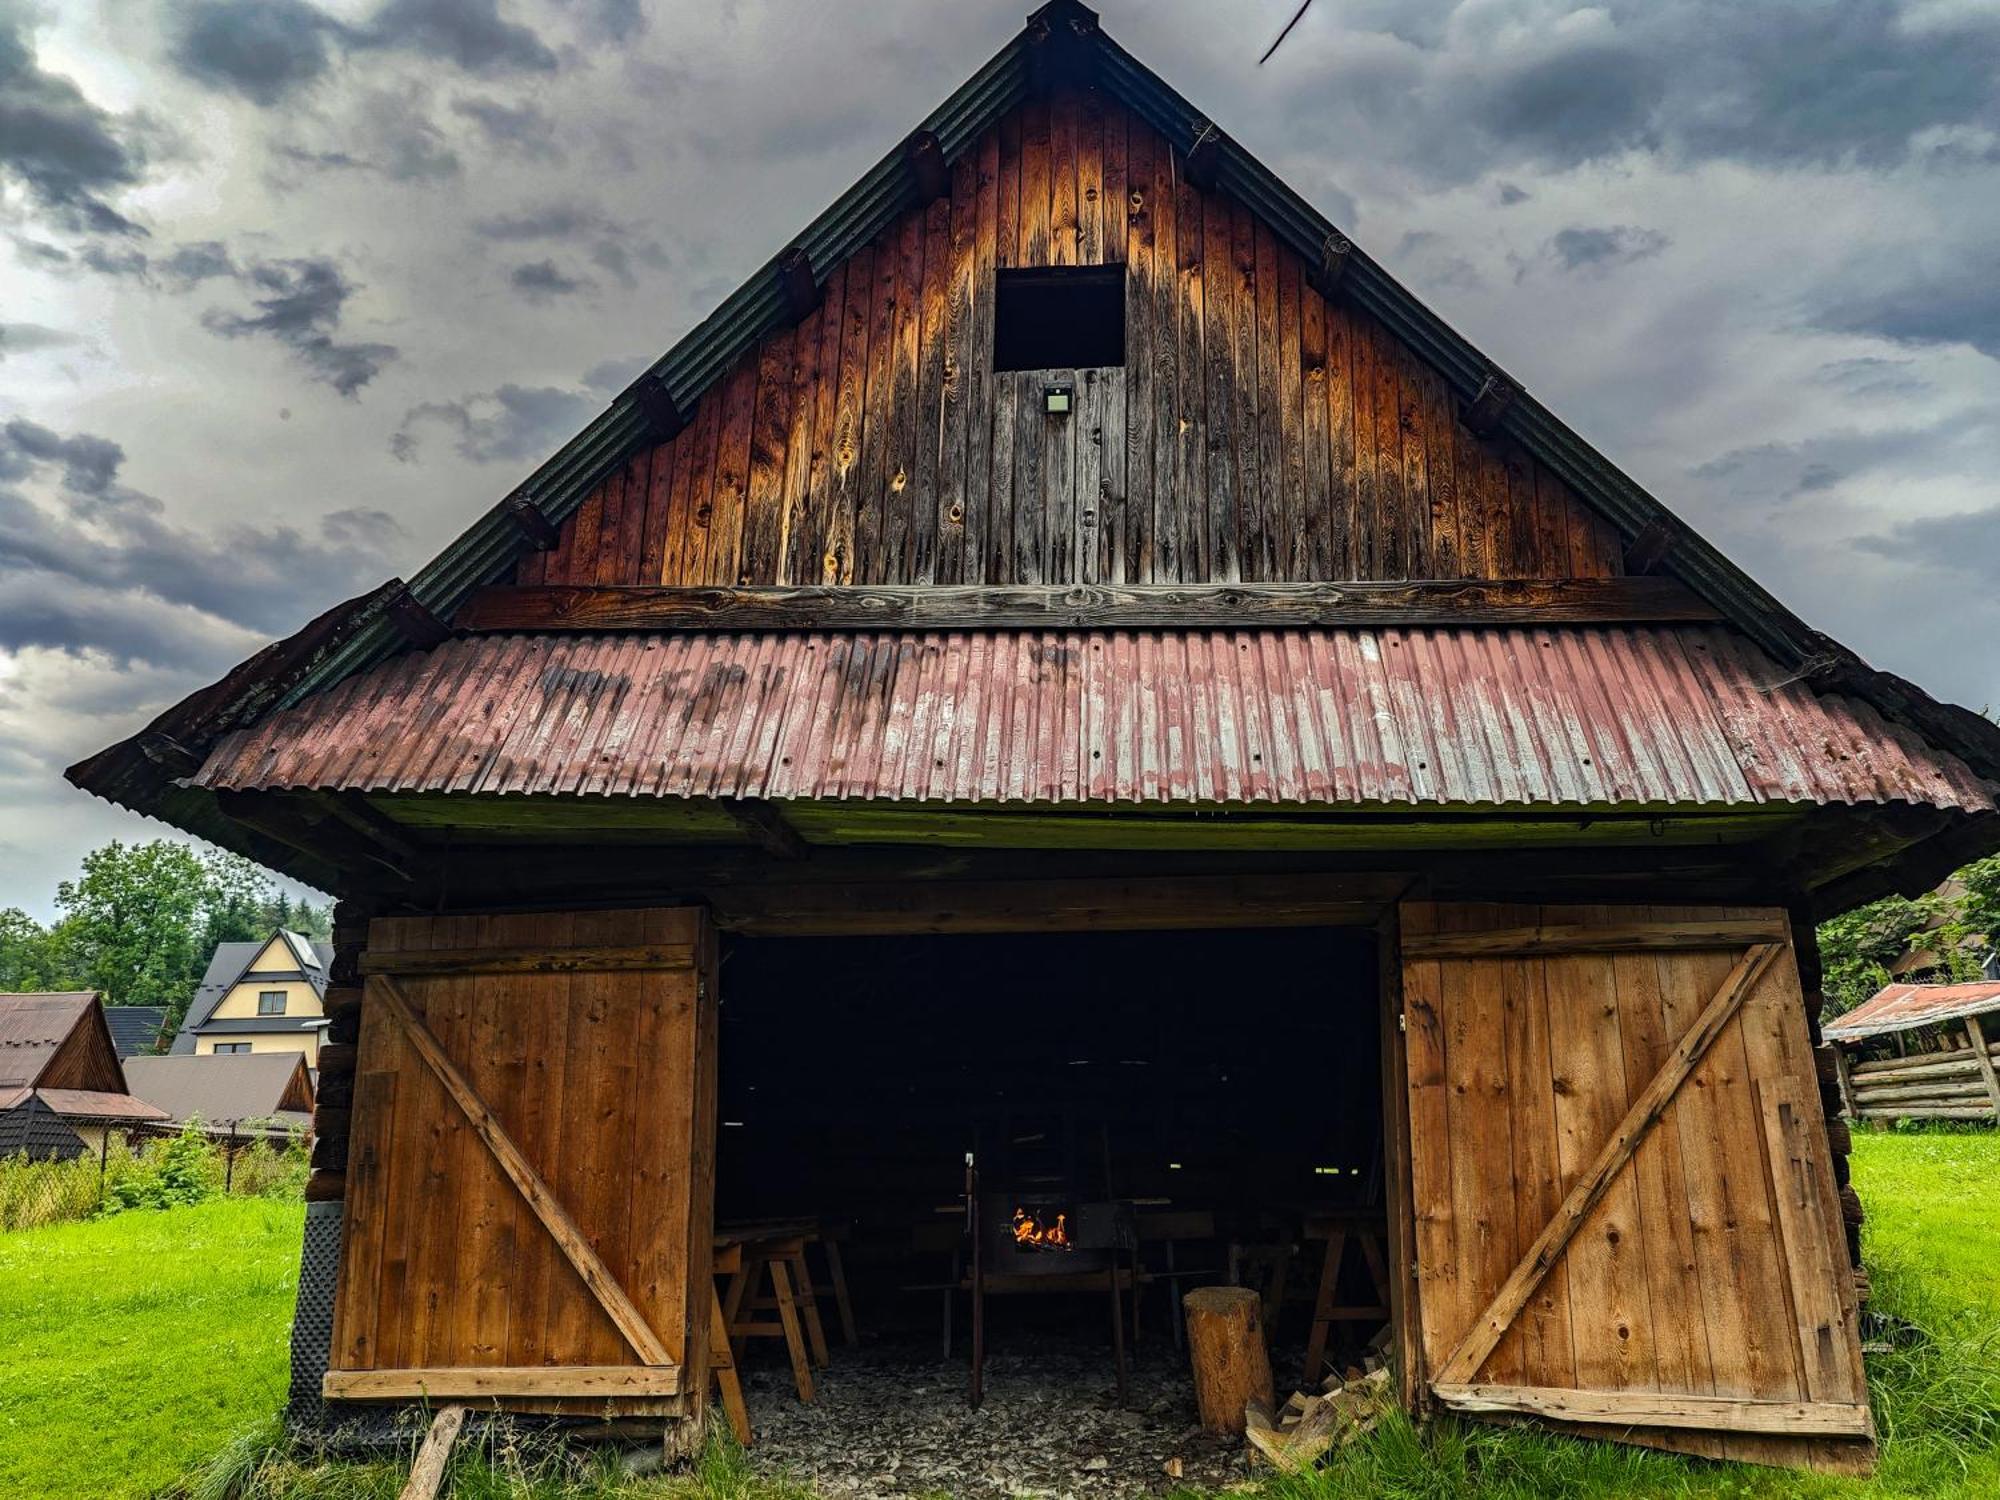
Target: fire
[1030,1233]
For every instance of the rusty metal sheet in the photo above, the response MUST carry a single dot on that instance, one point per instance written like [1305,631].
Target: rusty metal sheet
[1898,1007]
[1596,717]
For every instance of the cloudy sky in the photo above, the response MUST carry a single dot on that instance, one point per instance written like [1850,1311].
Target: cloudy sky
[290,290]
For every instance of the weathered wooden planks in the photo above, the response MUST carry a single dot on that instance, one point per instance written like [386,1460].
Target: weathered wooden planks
[531,1193]
[1108,605]
[1261,433]
[1647,1067]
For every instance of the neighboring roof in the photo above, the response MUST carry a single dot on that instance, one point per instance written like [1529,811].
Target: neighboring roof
[224,1090]
[239,1025]
[33,1028]
[229,966]
[147,771]
[1342,716]
[1898,1007]
[99,1106]
[30,1128]
[135,1029]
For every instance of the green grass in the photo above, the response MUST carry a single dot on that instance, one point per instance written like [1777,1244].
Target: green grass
[132,1348]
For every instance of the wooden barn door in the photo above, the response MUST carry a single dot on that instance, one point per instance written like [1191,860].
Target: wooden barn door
[1625,1218]
[530,1191]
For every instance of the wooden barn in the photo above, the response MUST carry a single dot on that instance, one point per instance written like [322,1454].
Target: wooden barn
[1072,666]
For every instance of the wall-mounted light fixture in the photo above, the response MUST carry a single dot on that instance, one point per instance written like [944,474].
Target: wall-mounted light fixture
[1058,398]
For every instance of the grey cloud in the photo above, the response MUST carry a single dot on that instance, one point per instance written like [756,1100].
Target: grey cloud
[196,262]
[264,50]
[385,131]
[616,374]
[89,463]
[548,221]
[259,579]
[65,151]
[299,303]
[32,338]
[1968,542]
[1872,375]
[1578,248]
[518,424]
[1956,302]
[521,130]
[542,280]
[469,33]
[615,20]
[1965,443]
[1511,194]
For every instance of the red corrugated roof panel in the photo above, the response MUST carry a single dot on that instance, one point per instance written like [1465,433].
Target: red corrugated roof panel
[1901,1006]
[1587,717]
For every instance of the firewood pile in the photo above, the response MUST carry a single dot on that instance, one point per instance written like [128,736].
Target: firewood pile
[1310,1425]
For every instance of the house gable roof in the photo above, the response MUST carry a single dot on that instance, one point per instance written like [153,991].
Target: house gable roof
[225,1089]
[230,964]
[1062,41]
[57,1039]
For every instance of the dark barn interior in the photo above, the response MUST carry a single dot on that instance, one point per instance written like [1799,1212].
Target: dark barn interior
[1215,1093]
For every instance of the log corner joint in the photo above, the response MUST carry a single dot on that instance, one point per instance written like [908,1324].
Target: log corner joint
[413,620]
[662,415]
[797,289]
[531,521]
[925,159]
[1062,46]
[1336,254]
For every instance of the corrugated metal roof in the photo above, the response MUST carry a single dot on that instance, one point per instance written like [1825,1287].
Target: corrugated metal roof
[1898,1007]
[1587,717]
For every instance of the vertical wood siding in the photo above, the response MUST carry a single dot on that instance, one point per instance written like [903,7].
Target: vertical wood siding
[1256,432]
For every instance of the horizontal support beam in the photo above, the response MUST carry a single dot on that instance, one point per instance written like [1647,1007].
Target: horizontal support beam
[1654,1409]
[1055,905]
[1625,937]
[526,961]
[1516,602]
[502,1380]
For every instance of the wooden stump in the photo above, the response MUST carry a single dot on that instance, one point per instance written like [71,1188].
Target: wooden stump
[1226,1346]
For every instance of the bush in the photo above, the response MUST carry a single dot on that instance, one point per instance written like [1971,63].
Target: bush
[184,1170]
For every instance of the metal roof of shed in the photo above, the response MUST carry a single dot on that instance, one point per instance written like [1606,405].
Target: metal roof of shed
[1898,1007]
[1572,717]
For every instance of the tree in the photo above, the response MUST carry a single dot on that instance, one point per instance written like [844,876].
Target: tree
[33,957]
[132,922]
[235,900]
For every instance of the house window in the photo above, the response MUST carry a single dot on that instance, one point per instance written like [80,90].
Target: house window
[222,1047]
[1059,318]
[270,1002]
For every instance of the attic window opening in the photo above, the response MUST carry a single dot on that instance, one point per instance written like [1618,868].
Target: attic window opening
[1059,318]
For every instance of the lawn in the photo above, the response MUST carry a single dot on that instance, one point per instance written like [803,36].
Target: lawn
[131,1346]
[131,1349]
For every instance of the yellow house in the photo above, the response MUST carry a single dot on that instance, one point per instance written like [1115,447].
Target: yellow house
[261,996]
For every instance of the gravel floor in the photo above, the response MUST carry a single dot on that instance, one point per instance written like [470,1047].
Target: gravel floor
[891,1421]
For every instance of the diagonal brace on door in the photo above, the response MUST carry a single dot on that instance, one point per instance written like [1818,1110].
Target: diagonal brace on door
[576,1249]
[1484,1336]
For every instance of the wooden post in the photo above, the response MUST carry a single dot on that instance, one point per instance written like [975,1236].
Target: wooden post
[427,1473]
[1976,1034]
[1226,1347]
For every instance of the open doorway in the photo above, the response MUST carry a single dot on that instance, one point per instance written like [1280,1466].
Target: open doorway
[1169,1109]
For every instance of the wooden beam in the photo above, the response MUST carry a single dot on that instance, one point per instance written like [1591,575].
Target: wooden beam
[1052,905]
[427,1473]
[414,621]
[1659,1409]
[796,286]
[529,519]
[1491,1325]
[472,1382]
[663,416]
[528,961]
[1511,602]
[302,824]
[1625,937]
[928,174]
[767,826]
[1483,413]
[1204,155]
[1646,551]
[1335,256]
[1987,1075]
[631,1324]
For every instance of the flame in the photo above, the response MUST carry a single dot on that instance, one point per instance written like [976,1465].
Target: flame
[1031,1234]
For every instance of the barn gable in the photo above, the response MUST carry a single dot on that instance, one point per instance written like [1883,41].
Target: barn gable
[1252,428]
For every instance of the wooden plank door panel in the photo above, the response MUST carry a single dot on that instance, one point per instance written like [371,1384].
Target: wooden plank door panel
[1622,1203]
[528,1215]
